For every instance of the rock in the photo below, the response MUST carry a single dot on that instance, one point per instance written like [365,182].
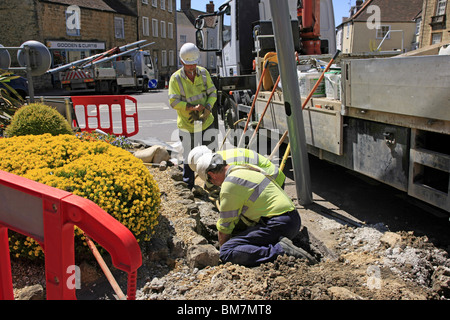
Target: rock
[35,292]
[180,185]
[340,293]
[154,154]
[163,166]
[201,256]
[198,240]
[157,285]
[441,281]
[187,223]
[178,247]
[186,195]
[176,175]
[199,192]
[390,239]
[207,221]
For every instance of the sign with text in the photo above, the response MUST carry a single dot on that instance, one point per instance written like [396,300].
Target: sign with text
[74,45]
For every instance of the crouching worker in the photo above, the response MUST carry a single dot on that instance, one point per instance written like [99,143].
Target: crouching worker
[239,156]
[257,218]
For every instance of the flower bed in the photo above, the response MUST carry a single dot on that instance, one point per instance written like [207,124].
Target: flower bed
[109,176]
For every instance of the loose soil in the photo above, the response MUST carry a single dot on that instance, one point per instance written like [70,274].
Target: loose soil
[361,256]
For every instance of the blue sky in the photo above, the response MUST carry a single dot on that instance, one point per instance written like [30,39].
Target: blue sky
[341,7]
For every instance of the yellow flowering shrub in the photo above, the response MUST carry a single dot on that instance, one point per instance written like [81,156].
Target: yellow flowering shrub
[111,177]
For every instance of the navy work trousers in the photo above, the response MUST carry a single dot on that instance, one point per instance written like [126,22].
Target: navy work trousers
[189,141]
[259,244]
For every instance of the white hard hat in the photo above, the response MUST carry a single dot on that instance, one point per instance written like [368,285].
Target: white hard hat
[189,53]
[195,154]
[207,162]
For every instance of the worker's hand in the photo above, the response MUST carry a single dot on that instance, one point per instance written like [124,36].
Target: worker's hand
[204,115]
[199,108]
[222,237]
[194,116]
[191,107]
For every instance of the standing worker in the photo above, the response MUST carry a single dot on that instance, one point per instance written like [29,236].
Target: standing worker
[257,218]
[193,95]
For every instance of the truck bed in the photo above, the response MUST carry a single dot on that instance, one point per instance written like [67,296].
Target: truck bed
[391,124]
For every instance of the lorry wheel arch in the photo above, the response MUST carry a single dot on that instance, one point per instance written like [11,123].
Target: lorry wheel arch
[114,88]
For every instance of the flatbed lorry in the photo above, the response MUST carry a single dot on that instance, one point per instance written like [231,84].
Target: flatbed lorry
[388,118]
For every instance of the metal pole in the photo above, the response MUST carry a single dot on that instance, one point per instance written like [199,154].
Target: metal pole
[292,102]
[29,74]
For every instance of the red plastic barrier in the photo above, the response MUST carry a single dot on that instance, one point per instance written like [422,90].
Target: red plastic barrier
[49,215]
[90,114]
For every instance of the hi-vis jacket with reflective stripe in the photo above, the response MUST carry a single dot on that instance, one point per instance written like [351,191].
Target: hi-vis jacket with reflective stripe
[246,195]
[241,155]
[182,91]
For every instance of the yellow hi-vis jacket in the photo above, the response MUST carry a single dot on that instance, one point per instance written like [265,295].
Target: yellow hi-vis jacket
[246,195]
[241,155]
[182,91]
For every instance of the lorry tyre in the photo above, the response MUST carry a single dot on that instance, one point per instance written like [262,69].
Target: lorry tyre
[145,85]
[114,88]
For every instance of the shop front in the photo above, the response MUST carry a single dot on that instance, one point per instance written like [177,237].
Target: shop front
[64,52]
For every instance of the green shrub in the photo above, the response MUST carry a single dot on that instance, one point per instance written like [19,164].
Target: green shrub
[36,119]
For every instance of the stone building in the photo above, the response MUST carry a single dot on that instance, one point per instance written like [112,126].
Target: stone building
[74,29]
[435,23]
[186,17]
[157,23]
[383,25]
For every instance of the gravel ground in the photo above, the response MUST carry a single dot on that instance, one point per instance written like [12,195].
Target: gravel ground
[357,262]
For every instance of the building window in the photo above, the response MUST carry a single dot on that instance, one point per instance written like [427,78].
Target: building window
[170,30]
[183,39]
[171,58]
[418,23]
[145,1]
[145,26]
[164,58]
[436,38]
[382,31]
[155,3]
[163,4]
[170,6]
[155,58]
[440,9]
[163,29]
[118,28]
[155,27]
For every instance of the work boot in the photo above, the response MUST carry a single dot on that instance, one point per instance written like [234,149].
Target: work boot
[290,249]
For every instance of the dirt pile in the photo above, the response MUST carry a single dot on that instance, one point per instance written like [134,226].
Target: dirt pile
[368,262]
[357,262]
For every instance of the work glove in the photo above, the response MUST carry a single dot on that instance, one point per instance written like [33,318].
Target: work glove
[205,114]
[194,116]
